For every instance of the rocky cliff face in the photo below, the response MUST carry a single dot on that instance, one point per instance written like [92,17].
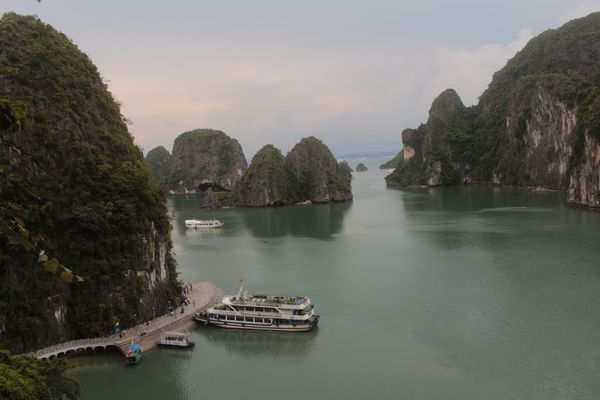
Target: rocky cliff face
[70,172]
[309,173]
[315,174]
[536,126]
[266,182]
[584,178]
[201,159]
[346,172]
[160,163]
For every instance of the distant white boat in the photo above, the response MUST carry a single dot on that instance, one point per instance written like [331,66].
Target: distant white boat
[203,223]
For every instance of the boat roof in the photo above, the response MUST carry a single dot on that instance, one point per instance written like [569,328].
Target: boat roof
[180,334]
[268,300]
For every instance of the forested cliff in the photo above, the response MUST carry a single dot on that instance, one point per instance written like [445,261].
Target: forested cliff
[73,184]
[537,125]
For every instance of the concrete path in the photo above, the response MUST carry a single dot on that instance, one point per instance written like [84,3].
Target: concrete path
[202,295]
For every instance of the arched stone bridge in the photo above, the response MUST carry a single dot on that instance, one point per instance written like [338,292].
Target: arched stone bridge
[203,295]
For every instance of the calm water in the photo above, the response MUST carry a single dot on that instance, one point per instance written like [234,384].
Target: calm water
[452,293]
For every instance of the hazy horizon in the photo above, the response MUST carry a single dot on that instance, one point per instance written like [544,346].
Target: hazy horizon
[352,73]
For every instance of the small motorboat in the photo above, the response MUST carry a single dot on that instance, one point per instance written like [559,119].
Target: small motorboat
[176,339]
[134,354]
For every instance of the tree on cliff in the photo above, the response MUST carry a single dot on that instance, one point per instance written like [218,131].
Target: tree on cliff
[69,170]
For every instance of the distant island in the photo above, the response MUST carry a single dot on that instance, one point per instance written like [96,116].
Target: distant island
[537,125]
[209,161]
[361,167]
[201,158]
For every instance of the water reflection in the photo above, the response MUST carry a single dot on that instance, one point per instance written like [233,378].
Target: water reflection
[472,198]
[471,216]
[317,221]
[321,221]
[161,373]
[269,345]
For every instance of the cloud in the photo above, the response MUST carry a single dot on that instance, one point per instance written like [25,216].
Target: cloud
[469,71]
[581,10]
[353,98]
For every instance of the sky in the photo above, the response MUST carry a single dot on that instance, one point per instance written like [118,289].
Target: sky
[353,73]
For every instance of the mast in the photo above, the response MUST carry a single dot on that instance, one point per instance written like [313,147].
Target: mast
[239,295]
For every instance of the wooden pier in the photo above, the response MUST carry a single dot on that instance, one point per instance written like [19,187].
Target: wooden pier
[202,295]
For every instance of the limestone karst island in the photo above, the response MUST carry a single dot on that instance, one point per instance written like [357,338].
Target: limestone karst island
[263,200]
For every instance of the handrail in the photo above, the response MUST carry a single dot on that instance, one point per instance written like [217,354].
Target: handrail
[117,340]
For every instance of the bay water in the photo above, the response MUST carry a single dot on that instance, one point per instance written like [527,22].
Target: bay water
[448,293]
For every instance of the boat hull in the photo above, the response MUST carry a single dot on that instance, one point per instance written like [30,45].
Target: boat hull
[260,327]
[176,346]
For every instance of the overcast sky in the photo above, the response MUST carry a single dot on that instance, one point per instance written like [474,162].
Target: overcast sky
[351,72]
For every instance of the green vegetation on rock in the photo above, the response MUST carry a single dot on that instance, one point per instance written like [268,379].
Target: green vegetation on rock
[315,174]
[537,124]
[346,172]
[361,167]
[265,183]
[69,170]
[160,164]
[309,173]
[206,155]
[25,378]
[393,163]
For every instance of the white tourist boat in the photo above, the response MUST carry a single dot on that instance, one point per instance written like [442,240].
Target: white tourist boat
[261,312]
[203,223]
[176,339]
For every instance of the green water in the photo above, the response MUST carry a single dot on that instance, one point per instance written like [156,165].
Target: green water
[455,293]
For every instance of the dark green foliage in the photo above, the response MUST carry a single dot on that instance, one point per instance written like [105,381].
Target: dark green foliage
[413,172]
[361,167]
[70,171]
[266,180]
[346,172]
[160,163]
[475,142]
[314,173]
[25,378]
[394,162]
[205,154]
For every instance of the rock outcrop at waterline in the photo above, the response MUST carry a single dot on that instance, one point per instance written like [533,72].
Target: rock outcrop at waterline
[72,176]
[315,174]
[266,182]
[346,172]
[201,159]
[361,168]
[537,125]
[308,174]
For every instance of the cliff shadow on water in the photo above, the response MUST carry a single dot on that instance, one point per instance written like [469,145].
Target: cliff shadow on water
[321,221]
[479,216]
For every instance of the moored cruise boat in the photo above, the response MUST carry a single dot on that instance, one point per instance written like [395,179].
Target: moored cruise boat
[203,223]
[262,312]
